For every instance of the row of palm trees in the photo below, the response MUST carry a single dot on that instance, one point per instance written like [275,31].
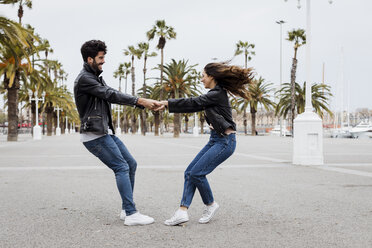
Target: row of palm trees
[178,79]
[28,73]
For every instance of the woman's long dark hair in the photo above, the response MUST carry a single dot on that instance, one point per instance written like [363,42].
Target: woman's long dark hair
[233,78]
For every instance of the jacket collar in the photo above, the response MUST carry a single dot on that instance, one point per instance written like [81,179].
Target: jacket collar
[88,68]
[217,87]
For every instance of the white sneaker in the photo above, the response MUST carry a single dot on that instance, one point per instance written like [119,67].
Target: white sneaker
[180,216]
[138,219]
[122,215]
[208,213]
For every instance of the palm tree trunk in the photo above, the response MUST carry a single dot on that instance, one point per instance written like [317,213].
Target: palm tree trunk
[54,121]
[245,121]
[12,109]
[157,122]
[253,114]
[186,123]
[161,92]
[20,12]
[62,124]
[126,122]
[133,119]
[176,120]
[49,111]
[176,123]
[33,116]
[293,81]
[202,120]
[246,58]
[143,112]
[133,124]
[43,122]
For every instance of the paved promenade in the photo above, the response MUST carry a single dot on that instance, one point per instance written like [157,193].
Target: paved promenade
[53,193]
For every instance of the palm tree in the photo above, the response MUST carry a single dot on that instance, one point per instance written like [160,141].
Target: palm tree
[247,49]
[120,73]
[154,93]
[320,94]
[21,3]
[299,38]
[133,52]
[14,47]
[126,69]
[144,48]
[259,92]
[164,32]
[178,83]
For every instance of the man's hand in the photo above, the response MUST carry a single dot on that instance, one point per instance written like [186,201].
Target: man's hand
[162,106]
[149,103]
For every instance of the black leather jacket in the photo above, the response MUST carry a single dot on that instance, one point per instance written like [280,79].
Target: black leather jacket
[216,105]
[93,98]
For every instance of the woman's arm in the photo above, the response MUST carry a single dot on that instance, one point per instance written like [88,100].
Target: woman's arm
[193,104]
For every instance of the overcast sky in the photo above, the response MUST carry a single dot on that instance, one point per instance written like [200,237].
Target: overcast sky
[210,29]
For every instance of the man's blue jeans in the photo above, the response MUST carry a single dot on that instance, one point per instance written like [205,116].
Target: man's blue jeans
[113,153]
[213,154]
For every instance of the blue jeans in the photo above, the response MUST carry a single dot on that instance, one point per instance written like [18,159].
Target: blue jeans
[212,155]
[113,153]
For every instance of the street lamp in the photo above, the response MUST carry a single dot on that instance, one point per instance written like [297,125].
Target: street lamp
[308,128]
[58,129]
[36,129]
[118,110]
[281,22]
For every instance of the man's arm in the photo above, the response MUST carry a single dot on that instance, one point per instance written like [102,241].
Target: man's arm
[89,85]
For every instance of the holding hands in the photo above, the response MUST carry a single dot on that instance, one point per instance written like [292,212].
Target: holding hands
[152,104]
[162,106]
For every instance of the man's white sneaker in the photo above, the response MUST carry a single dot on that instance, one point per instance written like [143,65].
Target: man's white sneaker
[208,213]
[122,215]
[180,216]
[138,219]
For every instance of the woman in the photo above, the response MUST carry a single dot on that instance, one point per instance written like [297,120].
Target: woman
[221,79]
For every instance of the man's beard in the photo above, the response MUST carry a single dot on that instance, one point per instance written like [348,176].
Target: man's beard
[95,66]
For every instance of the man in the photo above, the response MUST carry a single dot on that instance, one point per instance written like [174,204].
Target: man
[93,98]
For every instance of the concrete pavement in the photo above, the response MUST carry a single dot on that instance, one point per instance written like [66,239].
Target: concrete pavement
[53,193]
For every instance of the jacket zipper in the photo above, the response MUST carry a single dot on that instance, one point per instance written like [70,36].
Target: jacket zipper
[96,116]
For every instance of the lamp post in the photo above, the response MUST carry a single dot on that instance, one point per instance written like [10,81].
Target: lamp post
[281,22]
[308,129]
[118,110]
[66,128]
[195,130]
[37,129]
[58,129]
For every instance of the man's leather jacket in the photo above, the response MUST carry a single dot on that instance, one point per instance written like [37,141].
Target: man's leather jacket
[93,98]
[216,105]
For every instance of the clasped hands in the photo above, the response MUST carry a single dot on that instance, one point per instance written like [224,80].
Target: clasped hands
[153,104]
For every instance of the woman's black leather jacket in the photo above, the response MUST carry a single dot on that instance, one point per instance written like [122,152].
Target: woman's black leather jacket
[93,98]
[216,105]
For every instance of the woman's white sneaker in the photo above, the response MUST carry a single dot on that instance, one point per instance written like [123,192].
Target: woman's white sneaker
[122,215]
[137,219]
[179,217]
[208,213]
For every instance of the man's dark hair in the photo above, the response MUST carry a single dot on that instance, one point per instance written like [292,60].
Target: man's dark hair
[91,49]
